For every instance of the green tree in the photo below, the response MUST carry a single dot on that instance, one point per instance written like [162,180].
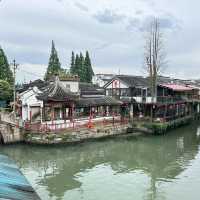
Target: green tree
[54,66]
[5,91]
[82,67]
[5,71]
[72,67]
[76,65]
[88,68]
[82,70]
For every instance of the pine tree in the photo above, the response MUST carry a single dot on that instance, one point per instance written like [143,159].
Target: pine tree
[88,68]
[72,67]
[5,71]
[82,70]
[82,67]
[54,66]
[76,65]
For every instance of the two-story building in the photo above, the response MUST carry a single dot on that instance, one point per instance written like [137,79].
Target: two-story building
[127,87]
[173,97]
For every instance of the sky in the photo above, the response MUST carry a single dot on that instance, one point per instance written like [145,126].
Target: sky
[113,31]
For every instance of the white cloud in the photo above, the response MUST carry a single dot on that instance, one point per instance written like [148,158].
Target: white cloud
[27,29]
[28,71]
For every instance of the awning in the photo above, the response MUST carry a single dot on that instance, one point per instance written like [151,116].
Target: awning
[176,87]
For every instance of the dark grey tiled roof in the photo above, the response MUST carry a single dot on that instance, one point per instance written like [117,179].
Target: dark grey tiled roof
[90,89]
[37,83]
[133,81]
[56,92]
[99,101]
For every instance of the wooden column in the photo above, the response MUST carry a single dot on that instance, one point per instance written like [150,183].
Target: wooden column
[30,115]
[41,114]
[165,111]
[52,113]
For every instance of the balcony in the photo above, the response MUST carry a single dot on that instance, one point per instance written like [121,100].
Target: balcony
[169,99]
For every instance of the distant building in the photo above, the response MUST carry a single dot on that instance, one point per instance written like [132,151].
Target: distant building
[102,79]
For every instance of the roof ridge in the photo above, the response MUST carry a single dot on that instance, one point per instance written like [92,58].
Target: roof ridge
[55,88]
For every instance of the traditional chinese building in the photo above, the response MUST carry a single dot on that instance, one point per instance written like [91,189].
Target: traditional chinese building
[56,104]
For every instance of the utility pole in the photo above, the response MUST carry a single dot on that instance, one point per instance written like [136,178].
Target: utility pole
[14,89]
[119,72]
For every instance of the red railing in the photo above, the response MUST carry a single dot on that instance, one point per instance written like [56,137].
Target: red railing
[74,125]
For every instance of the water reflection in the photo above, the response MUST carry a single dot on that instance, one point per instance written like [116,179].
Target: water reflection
[161,158]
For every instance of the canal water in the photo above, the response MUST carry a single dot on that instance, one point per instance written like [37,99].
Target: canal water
[145,167]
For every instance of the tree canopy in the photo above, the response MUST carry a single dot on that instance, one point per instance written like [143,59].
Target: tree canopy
[5,71]
[72,67]
[54,66]
[5,91]
[88,66]
[82,67]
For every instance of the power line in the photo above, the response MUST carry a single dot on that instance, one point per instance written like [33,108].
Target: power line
[31,73]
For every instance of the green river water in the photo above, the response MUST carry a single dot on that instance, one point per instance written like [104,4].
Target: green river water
[145,167]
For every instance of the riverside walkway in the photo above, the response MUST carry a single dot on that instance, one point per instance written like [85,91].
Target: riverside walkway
[13,184]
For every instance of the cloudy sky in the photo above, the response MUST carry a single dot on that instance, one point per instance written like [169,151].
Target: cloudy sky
[112,30]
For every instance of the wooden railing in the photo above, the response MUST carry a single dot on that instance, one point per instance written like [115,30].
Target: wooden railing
[174,99]
[169,99]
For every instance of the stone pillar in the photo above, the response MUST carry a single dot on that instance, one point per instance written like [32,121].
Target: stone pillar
[52,113]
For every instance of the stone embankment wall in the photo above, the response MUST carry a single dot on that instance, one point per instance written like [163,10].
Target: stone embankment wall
[10,133]
[77,136]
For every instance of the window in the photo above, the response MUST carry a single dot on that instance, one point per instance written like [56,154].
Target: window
[125,92]
[67,86]
[137,92]
[116,92]
[109,92]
